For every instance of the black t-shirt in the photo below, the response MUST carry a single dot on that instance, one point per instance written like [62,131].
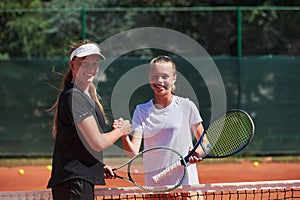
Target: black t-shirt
[72,156]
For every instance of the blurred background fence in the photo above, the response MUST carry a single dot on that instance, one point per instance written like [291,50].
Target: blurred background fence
[256,49]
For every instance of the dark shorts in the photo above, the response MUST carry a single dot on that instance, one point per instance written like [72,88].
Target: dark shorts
[74,189]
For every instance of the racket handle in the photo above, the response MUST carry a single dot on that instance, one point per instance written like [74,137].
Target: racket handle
[166,171]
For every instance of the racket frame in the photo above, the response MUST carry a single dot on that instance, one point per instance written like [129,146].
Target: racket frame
[199,142]
[150,188]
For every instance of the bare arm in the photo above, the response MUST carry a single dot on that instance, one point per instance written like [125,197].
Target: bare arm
[98,142]
[132,146]
[197,130]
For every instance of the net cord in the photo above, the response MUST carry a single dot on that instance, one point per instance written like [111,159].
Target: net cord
[215,187]
[202,188]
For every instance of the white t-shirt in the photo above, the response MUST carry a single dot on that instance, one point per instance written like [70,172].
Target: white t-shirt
[169,127]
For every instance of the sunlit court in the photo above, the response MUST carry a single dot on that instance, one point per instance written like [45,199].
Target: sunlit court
[235,171]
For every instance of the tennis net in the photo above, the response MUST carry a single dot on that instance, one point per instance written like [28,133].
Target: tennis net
[289,189]
[271,190]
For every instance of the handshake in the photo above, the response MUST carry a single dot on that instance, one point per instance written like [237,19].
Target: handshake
[123,125]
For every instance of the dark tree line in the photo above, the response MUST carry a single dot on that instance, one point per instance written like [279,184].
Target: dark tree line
[43,29]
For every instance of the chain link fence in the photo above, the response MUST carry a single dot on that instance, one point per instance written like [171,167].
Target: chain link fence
[234,31]
[256,50]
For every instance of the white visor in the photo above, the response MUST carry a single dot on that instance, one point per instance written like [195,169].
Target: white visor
[86,50]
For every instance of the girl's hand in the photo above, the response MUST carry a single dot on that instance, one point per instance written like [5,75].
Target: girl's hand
[195,158]
[108,172]
[117,123]
[123,125]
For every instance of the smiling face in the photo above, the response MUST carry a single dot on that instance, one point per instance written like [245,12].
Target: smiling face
[85,69]
[162,77]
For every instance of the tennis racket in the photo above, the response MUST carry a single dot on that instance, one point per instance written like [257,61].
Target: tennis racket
[225,136]
[140,169]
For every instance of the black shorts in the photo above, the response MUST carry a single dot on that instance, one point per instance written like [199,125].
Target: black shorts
[74,189]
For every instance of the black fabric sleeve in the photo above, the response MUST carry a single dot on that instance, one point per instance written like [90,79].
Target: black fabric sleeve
[80,106]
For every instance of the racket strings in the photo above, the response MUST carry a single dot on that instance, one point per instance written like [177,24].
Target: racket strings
[229,134]
[152,162]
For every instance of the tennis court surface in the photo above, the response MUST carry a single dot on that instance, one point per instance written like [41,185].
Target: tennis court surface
[239,180]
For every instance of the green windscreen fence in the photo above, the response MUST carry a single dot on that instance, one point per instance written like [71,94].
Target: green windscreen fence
[266,87]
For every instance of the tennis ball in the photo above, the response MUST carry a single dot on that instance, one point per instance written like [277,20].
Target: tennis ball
[21,171]
[255,163]
[49,167]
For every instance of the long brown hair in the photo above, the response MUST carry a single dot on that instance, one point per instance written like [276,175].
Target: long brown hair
[67,78]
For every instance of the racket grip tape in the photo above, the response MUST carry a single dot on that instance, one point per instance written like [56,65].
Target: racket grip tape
[166,171]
